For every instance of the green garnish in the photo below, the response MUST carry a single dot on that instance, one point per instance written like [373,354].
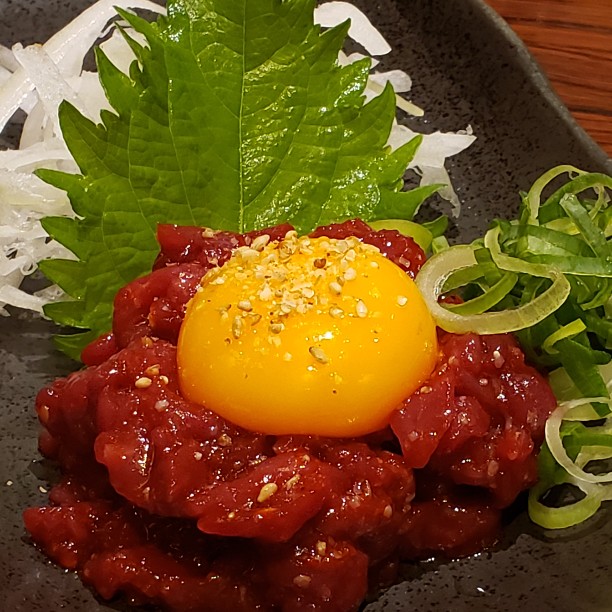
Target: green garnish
[548,277]
[235,116]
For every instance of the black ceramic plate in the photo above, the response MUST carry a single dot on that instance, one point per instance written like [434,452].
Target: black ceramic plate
[468,68]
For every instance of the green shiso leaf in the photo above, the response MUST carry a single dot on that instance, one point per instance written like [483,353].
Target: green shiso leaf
[236,116]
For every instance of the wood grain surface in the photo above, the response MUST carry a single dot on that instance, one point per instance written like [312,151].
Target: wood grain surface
[572,41]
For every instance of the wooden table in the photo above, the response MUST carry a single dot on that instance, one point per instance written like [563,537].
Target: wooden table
[572,41]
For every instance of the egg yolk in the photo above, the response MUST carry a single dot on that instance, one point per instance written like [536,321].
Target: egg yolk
[306,336]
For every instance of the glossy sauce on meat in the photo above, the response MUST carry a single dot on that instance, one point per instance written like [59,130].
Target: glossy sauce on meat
[167,503]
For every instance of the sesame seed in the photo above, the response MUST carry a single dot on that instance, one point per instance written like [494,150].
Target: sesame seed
[218,281]
[319,354]
[9,483]
[361,309]
[302,581]
[237,327]
[245,305]
[164,379]
[336,312]
[161,405]
[425,389]
[350,274]
[388,512]
[260,242]
[231,515]
[277,328]
[292,482]
[321,547]
[254,319]
[267,491]
[198,456]
[320,262]
[42,489]
[152,370]
[207,233]
[402,300]
[224,440]
[143,382]
[335,287]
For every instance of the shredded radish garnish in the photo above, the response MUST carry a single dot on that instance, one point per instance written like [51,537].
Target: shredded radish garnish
[35,79]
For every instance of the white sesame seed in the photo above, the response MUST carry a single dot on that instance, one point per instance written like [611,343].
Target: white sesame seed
[245,305]
[164,379]
[402,300]
[237,327]
[152,370]
[198,456]
[276,328]
[224,440]
[292,481]
[267,491]
[319,354]
[9,483]
[260,242]
[350,274]
[161,405]
[143,382]
[336,312]
[388,512]
[361,309]
[335,287]
[302,581]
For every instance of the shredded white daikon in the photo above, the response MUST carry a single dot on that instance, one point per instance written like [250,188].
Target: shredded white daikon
[35,79]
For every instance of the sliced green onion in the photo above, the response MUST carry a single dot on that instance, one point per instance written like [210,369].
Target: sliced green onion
[432,278]
[567,331]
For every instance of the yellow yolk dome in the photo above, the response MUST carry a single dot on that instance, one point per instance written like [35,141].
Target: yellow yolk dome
[306,336]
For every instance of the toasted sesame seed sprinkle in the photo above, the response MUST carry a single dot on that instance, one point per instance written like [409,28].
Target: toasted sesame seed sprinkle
[302,581]
[336,312]
[276,327]
[321,547]
[152,370]
[320,262]
[231,515]
[361,309]
[245,305]
[267,491]
[164,379]
[237,327]
[143,382]
[161,405]
[402,300]
[319,354]
[335,287]
[224,440]
[292,481]
[198,456]
[350,274]
[260,242]
[388,512]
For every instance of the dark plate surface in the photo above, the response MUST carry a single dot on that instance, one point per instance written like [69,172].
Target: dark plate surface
[468,68]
